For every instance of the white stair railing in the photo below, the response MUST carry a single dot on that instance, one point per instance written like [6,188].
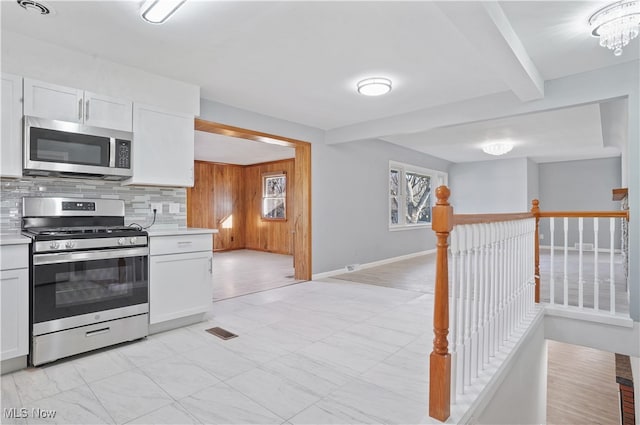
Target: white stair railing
[576,272]
[491,283]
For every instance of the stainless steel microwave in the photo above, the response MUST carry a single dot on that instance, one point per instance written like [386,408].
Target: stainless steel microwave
[66,149]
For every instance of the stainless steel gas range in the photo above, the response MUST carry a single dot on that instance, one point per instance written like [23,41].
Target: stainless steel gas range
[89,276]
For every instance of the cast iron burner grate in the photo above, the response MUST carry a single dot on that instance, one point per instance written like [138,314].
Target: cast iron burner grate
[221,333]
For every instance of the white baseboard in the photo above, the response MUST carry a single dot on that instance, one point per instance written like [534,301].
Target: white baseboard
[343,270]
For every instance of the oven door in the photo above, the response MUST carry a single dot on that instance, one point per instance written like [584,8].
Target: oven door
[71,289]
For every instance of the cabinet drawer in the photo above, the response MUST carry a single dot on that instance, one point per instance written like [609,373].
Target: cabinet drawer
[159,245]
[14,256]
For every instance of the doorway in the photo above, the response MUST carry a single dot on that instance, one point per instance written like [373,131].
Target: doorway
[299,210]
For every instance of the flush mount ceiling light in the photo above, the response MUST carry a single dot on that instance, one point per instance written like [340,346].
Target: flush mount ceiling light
[616,24]
[374,86]
[158,11]
[497,148]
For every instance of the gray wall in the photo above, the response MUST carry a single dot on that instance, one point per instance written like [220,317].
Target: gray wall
[350,204]
[579,186]
[349,193]
[533,182]
[497,186]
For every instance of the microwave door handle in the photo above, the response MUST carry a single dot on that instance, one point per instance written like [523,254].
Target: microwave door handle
[112,152]
[80,110]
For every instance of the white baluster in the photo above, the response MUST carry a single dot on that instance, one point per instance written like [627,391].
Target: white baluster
[566,253]
[453,313]
[596,283]
[468,301]
[475,301]
[580,280]
[612,278]
[552,287]
[461,279]
[494,290]
[487,292]
[503,280]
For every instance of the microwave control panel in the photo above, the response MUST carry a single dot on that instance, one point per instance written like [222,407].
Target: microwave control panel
[123,153]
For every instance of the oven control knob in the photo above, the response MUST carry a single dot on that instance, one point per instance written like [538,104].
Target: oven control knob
[121,241]
[132,240]
[54,245]
[70,245]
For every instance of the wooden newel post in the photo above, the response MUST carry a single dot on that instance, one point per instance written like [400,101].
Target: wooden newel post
[440,359]
[535,210]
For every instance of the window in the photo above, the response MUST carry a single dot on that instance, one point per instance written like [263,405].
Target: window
[274,196]
[411,194]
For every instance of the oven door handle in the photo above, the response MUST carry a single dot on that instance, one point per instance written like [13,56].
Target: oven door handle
[71,257]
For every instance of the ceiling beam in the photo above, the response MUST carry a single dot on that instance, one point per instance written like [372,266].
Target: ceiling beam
[593,86]
[488,30]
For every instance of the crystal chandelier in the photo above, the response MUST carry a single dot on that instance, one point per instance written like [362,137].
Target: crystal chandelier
[616,24]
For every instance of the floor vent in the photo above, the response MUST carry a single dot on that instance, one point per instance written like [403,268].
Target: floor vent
[221,333]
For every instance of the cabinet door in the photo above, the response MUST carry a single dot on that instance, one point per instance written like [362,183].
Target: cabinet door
[14,299]
[180,285]
[52,101]
[11,143]
[107,112]
[162,147]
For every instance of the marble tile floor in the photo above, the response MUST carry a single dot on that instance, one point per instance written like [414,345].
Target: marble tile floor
[325,351]
[245,271]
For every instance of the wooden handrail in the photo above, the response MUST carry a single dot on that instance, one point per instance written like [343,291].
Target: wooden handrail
[576,214]
[440,359]
[459,219]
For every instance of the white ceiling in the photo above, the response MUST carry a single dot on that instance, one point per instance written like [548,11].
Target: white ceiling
[559,135]
[232,150]
[300,61]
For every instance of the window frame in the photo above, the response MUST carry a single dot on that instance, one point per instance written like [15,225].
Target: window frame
[265,176]
[437,178]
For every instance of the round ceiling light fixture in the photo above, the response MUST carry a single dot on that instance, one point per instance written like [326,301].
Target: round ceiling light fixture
[35,6]
[376,86]
[497,148]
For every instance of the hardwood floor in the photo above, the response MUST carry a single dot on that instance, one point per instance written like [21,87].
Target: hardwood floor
[414,274]
[581,386]
[244,271]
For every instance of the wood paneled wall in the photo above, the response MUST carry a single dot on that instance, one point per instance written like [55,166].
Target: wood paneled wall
[268,235]
[217,193]
[221,190]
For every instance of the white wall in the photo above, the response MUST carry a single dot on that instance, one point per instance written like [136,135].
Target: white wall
[496,186]
[521,397]
[28,57]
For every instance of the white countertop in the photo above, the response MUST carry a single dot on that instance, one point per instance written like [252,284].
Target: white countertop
[180,231]
[13,238]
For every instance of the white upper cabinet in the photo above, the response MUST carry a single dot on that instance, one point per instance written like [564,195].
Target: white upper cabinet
[73,105]
[11,142]
[162,147]
[107,112]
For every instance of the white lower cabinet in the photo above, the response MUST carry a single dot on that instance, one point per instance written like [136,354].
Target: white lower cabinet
[14,302]
[180,278]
